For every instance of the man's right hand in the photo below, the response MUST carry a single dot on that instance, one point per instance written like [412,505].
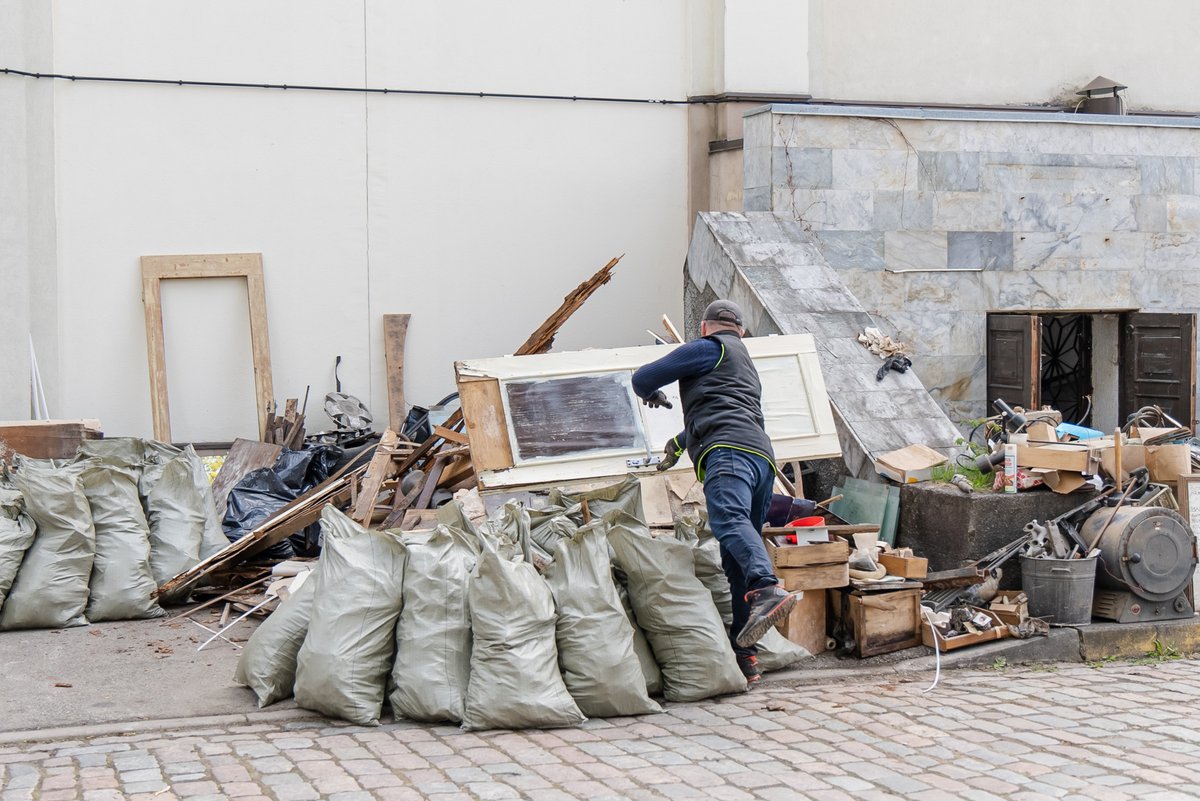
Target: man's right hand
[658,399]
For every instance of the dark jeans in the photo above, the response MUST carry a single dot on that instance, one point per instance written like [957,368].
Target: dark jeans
[737,489]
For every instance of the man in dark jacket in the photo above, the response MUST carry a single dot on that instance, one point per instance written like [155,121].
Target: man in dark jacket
[728,445]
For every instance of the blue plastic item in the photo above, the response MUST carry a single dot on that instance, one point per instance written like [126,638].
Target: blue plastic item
[1078,432]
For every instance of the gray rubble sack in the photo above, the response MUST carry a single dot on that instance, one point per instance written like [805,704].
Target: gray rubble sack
[51,588]
[551,524]
[676,612]
[342,668]
[625,496]
[179,503]
[268,662]
[595,639]
[775,652]
[515,682]
[17,530]
[433,633]
[121,586]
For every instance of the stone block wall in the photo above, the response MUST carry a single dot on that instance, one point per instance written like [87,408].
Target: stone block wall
[933,219]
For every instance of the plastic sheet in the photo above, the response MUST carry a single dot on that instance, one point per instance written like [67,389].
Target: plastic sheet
[676,612]
[433,633]
[595,639]
[51,588]
[342,668]
[268,662]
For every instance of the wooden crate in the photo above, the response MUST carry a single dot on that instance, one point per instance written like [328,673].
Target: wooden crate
[998,631]
[806,624]
[832,551]
[814,577]
[915,567]
[883,622]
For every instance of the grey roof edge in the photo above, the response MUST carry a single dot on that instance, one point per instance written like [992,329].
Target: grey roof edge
[974,115]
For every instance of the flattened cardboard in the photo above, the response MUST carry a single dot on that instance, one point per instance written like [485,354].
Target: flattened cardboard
[909,465]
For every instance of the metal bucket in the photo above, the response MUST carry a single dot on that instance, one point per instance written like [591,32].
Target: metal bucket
[1059,590]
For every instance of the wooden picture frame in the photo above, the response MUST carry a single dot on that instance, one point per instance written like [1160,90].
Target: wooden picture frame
[1188,494]
[155,270]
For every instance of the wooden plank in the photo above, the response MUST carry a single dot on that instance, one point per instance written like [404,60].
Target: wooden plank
[47,439]
[381,468]
[452,436]
[155,269]
[395,332]
[483,409]
[244,456]
[156,354]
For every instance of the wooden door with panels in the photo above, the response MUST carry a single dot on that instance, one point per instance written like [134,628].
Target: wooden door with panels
[1158,364]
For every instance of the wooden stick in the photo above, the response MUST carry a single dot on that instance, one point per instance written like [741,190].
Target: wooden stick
[395,332]
[825,503]
[218,599]
[587,513]
[1117,460]
[671,329]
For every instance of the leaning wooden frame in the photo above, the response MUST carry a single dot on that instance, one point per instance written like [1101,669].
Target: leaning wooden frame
[156,269]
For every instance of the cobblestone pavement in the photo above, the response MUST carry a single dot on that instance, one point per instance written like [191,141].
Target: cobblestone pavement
[1112,732]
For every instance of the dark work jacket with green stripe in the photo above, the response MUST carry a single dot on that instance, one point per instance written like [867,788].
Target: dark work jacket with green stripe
[723,407]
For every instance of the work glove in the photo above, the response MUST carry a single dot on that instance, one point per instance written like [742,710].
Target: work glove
[658,399]
[671,454]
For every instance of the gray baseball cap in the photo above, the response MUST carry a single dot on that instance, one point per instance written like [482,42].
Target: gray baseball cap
[723,311]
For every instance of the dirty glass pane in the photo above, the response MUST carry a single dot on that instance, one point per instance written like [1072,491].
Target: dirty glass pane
[574,415]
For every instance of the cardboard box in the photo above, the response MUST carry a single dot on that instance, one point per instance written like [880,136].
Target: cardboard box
[909,465]
[1071,458]
[1013,610]
[1063,482]
[1167,462]
[998,631]
[915,567]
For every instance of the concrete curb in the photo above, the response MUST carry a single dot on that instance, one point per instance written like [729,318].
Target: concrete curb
[159,724]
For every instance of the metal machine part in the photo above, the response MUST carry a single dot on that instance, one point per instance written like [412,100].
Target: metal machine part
[1148,557]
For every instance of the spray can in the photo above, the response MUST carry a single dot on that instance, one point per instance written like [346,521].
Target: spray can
[1010,467]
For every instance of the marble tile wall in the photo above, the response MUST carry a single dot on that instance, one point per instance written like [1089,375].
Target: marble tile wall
[934,223]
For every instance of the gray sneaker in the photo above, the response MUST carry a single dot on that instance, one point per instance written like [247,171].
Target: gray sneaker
[768,606]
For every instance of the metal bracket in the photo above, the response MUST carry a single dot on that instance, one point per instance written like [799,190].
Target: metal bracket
[646,461]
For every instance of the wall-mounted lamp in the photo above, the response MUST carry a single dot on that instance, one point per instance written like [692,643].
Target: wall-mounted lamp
[1101,96]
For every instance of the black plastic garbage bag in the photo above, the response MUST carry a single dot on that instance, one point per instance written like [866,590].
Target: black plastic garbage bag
[265,491]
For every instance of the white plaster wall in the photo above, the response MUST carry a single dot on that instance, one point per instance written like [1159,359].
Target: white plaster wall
[28,275]
[476,216]
[766,46]
[1004,51]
